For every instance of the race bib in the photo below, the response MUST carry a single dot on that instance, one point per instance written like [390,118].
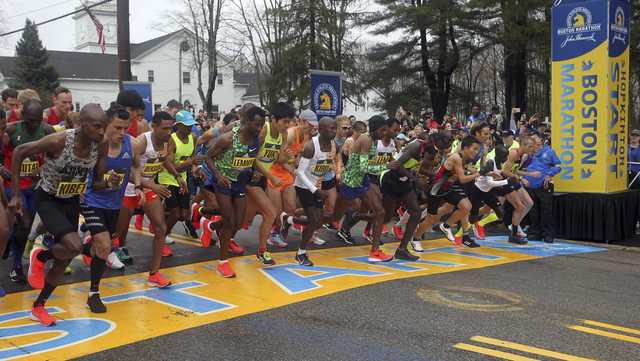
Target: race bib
[151,169]
[243,162]
[28,168]
[382,158]
[119,175]
[71,188]
[322,168]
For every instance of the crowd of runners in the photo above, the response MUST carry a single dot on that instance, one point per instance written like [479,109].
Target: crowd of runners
[75,180]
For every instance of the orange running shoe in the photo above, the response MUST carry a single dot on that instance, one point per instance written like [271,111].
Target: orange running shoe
[398,232]
[157,280]
[195,215]
[379,256]
[36,269]
[166,251]
[225,270]
[235,248]
[458,241]
[115,241]
[205,236]
[40,314]
[478,231]
[139,221]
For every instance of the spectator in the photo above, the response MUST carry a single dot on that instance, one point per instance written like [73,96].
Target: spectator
[173,106]
[476,116]
[495,119]
[634,157]
[540,189]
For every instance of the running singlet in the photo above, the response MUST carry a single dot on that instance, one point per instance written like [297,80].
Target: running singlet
[270,149]
[239,158]
[31,165]
[151,160]
[121,165]
[278,170]
[357,167]
[66,176]
[321,164]
[12,116]
[53,118]
[183,152]
[379,156]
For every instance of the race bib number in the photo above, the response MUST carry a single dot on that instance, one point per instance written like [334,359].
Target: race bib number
[322,168]
[381,159]
[71,188]
[28,168]
[243,162]
[151,169]
[120,176]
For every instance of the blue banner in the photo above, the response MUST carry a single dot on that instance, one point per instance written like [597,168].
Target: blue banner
[326,93]
[144,90]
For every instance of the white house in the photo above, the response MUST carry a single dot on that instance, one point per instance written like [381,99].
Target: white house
[92,76]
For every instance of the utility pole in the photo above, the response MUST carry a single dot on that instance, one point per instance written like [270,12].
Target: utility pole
[124,46]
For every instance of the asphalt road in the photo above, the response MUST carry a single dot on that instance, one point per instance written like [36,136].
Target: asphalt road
[530,303]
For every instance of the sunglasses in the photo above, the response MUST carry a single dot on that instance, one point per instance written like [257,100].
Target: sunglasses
[346,128]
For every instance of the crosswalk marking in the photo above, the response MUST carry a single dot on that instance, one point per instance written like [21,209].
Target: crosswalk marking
[608,334]
[632,331]
[528,349]
[492,352]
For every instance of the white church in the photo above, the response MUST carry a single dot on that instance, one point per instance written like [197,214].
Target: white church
[92,76]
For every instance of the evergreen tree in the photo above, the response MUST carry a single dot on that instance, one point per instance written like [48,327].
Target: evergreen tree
[31,69]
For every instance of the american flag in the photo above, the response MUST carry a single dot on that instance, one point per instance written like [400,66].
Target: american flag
[99,29]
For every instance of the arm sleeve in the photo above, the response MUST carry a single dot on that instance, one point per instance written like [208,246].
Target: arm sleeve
[300,173]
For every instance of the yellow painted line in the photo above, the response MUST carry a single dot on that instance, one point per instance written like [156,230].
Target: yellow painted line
[176,237]
[491,352]
[529,349]
[612,335]
[632,331]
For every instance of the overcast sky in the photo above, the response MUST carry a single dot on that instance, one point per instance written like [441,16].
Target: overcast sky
[60,35]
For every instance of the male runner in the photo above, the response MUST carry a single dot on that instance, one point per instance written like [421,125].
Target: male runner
[10,100]
[234,156]
[100,207]
[317,159]
[62,105]
[30,129]
[69,157]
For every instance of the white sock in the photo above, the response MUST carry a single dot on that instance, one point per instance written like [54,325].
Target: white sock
[520,229]
[290,219]
[302,251]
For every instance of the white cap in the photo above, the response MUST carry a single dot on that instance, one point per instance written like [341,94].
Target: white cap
[309,116]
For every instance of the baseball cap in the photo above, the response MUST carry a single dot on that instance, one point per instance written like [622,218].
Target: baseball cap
[309,116]
[508,133]
[635,132]
[185,118]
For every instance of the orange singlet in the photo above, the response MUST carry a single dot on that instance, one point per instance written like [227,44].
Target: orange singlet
[286,178]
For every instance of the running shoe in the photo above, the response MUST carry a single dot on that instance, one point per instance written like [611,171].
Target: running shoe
[457,241]
[114,262]
[520,234]
[303,260]
[189,229]
[16,275]
[276,240]
[265,258]
[366,234]
[330,226]
[205,236]
[139,220]
[27,249]
[40,314]
[166,251]
[515,239]
[47,240]
[123,255]
[405,255]
[169,240]
[115,242]
[284,225]
[235,248]
[416,245]
[398,232]
[35,275]
[400,211]
[225,270]
[195,215]
[95,303]
[317,240]
[379,256]
[158,280]
[346,237]
[467,241]
[446,230]
[385,229]
[478,231]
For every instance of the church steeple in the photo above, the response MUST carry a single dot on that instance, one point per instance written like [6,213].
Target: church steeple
[86,36]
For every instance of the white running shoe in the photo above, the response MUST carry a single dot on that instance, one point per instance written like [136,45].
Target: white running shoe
[520,232]
[318,241]
[114,262]
[276,240]
[169,240]
[417,246]
[446,230]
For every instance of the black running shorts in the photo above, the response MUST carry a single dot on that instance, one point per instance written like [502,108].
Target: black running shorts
[453,196]
[100,220]
[177,200]
[308,199]
[59,215]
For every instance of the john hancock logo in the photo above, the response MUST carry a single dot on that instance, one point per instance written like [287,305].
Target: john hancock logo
[326,98]
[618,28]
[579,27]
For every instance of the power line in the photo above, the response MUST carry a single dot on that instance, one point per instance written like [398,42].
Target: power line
[39,9]
[59,17]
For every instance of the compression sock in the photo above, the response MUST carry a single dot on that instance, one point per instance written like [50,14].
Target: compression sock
[490,218]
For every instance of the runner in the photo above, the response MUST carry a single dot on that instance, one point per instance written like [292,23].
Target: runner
[317,159]
[181,153]
[447,187]
[62,105]
[69,157]
[400,184]
[10,100]
[354,184]
[4,215]
[234,156]
[30,129]
[101,207]
[152,149]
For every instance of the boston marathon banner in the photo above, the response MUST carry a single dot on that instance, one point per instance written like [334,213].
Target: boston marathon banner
[590,82]
[326,93]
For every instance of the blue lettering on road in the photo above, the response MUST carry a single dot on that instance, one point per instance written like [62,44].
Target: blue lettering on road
[462,253]
[72,331]
[286,277]
[175,296]
[539,249]
[405,266]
